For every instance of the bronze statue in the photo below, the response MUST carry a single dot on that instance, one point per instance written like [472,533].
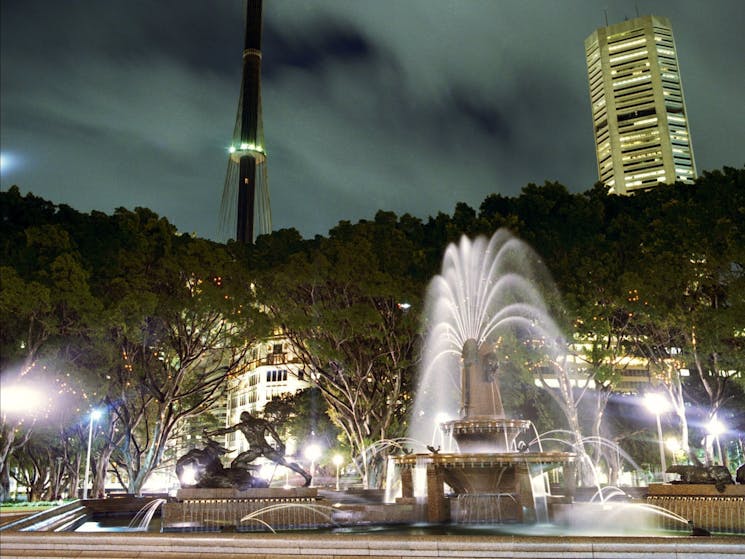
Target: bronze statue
[256,431]
[715,475]
[201,467]
[740,475]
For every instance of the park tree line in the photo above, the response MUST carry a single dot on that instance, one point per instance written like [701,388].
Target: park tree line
[122,311]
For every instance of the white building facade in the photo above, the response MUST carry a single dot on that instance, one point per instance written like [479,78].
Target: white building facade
[272,370]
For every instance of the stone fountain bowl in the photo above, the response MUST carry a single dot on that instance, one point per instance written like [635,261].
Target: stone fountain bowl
[486,473]
[485,433]
[496,472]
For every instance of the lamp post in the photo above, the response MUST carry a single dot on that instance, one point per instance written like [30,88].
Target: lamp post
[338,461]
[313,453]
[658,404]
[715,428]
[95,414]
[673,445]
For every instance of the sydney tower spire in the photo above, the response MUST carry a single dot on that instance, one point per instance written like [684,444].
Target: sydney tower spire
[245,200]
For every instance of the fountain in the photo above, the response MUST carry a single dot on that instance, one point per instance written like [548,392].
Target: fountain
[485,300]
[484,314]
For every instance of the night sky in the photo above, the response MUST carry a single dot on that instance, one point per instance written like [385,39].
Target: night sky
[403,105]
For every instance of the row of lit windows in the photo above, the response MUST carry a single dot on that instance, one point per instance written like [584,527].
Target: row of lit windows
[623,35]
[647,174]
[635,79]
[628,43]
[614,60]
[650,155]
[635,135]
[631,68]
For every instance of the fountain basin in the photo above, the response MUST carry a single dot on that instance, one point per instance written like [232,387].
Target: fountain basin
[503,486]
[489,473]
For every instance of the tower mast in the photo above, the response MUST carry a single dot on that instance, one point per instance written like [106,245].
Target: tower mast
[246,192]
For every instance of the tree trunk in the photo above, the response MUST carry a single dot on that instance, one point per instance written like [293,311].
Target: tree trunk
[99,477]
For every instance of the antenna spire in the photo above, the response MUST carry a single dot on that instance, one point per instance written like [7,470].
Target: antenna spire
[245,200]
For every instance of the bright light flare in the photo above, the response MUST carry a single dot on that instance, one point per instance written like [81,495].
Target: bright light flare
[266,472]
[656,403]
[313,452]
[19,400]
[673,445]
[188,476]
[715,427]
[338,460]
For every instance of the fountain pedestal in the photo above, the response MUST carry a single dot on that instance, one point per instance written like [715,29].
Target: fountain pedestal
[485,487]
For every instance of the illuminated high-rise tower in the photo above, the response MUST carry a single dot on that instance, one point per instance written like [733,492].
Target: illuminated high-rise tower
[245,201]
[639,116]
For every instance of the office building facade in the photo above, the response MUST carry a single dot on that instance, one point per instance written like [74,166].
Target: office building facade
[642,137]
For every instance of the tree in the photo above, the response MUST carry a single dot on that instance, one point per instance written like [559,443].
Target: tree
[342,306]
[688,287]
[171,347]
[44,314]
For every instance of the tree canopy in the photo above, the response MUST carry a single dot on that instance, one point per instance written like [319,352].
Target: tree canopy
[124,311]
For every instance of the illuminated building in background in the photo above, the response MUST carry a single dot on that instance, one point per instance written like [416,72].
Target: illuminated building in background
[272,370]
[639,117]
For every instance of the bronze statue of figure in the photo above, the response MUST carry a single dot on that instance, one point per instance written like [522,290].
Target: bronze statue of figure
[201,467]
[256,431]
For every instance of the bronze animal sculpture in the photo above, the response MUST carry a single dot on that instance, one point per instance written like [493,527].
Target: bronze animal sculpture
[716,475]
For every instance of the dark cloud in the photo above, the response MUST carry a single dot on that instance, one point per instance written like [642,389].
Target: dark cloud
[330,42]
[407,106]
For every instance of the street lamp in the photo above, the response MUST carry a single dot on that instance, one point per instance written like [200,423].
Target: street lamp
[658,404]
[716,428]
[338,461]
[95,414]
[674,446]
[16,400]
[312,453]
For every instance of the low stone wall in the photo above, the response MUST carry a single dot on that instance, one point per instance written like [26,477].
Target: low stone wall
[215,510]
[218,510]
[284,546]
[702,504]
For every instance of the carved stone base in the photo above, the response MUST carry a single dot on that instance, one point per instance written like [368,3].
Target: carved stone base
[222,509]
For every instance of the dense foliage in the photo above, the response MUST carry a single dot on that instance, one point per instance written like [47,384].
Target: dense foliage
[124,311]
